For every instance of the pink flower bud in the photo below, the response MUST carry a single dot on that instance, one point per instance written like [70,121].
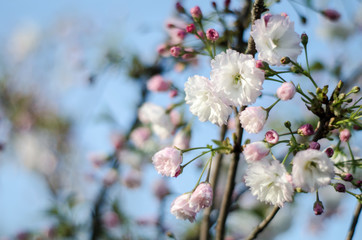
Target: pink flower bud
[162,50]
[259,64]
[347,177]
[212,35]
[339,187]
[266,18]
[286,91]
[158,84]
[255,151]
[344,135]
[271,136]
[167,162]
[111,177]
[160,189]
[201,197]
[180,8]
[170,25]
[329,151]
[182,140]
[318,208]
[132,179]
[283,14]
[306,130]
[314,145]
[181,34]
[331,14]
[181,209]
[190,28]
[173,93]
[110,219]
[196,12]
[175,51]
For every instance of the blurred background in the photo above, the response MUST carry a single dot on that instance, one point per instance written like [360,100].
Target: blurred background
[72,74]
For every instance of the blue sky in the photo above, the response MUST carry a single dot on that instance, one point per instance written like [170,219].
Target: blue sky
[136,26]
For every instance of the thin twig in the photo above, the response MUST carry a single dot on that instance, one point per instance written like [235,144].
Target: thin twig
[230,184]
[263,224]
[205,224]
[354,221]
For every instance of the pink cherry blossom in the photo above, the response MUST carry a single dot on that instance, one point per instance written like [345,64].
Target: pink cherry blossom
[181,209]
[255,151]
[158,84]
[253,119]
[201,197]
[140,135]
[168,162]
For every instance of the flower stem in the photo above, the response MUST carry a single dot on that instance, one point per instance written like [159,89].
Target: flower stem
[352,156]
[354,221]
[202,173]
[202,154]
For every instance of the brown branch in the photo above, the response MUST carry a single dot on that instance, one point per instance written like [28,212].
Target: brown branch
[205,224]
[257,10]
[354,221]
[230,184]
[263,224]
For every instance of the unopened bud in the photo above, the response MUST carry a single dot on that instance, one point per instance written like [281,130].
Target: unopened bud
[287,124]
[196,12]
[339,187]
[175,51]
[190,28]
[329,151]
[314,145]
[285,60]
[347,177]
[331,14]
[355,89]
[344,135]
[318,208]
[271,136]
[304,39]
[214,5]
[173,93]
[306,130]
[212,35]
[180,8]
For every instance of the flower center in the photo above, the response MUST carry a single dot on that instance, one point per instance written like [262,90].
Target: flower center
[310,165]
[237,78]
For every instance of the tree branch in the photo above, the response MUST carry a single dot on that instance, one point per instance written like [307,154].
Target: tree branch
[263,224]
[226,201]
[257,10]
[354,221]
[205,224]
